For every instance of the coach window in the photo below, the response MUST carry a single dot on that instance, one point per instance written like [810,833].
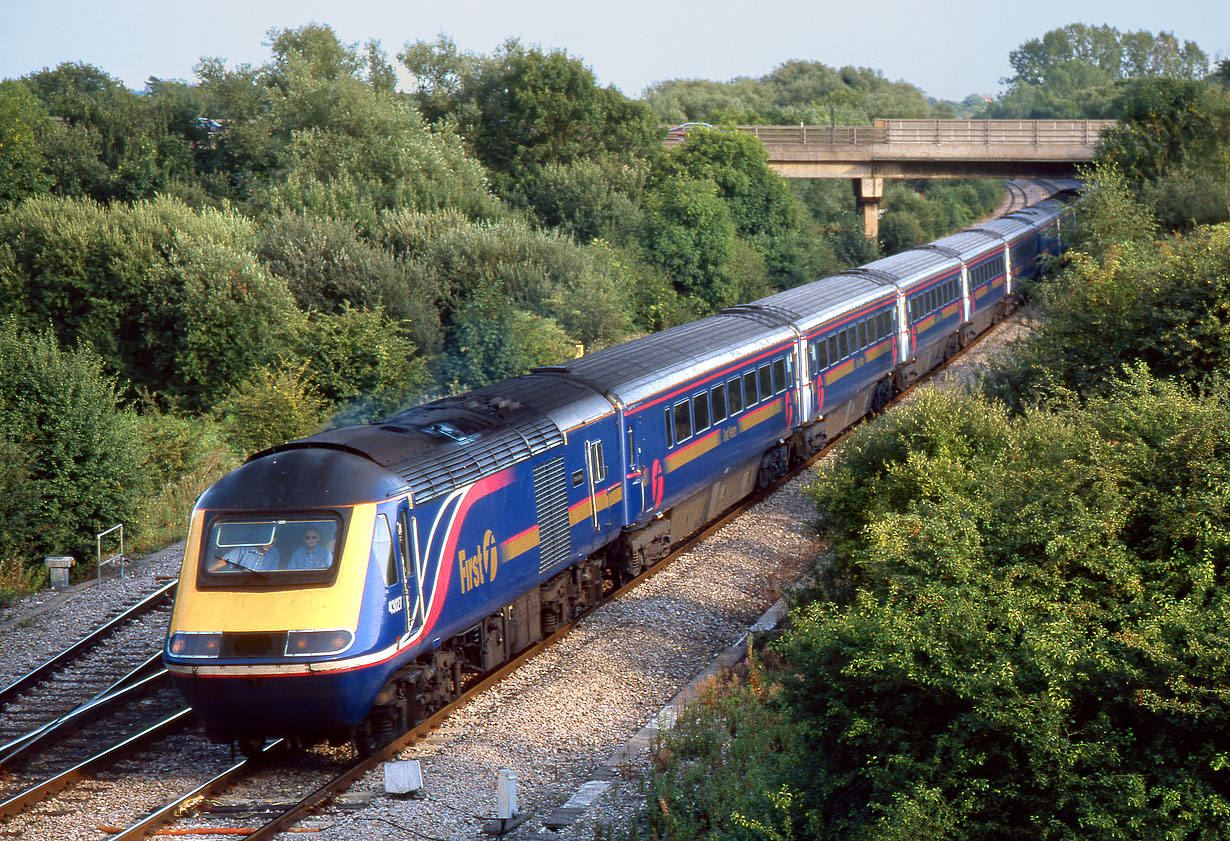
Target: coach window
[631,450]
[822,356]
[862,334]
[700,411]
[683,422]
[843,344]
[766,382]
[670,428]
[779,375]
[834,355]
[718,398]
[734,391]
[750,395]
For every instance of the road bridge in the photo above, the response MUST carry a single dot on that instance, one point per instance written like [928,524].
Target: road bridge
[928,149]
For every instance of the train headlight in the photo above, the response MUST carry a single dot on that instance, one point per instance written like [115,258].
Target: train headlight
[301,643]
[194,645]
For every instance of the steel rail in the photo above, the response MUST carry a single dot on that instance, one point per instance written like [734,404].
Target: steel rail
[219,783]
[115,696]
[41,791]
[89,641]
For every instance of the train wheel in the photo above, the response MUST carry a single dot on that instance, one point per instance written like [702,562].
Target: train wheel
[251,747]
[366,741]
[883,394]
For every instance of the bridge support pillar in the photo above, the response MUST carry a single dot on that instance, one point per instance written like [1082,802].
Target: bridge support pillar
[868,192]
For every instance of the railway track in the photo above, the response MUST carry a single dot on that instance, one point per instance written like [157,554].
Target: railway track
[108,689]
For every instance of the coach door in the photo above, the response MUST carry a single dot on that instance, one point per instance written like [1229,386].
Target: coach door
[411,567]
[634,496]
[602,493]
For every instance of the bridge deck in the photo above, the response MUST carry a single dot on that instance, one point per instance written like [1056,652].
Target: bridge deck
[932,148]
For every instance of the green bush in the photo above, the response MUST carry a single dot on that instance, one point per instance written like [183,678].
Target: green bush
[181,457]
[274,405]
[71,450]
[1167,307]
[174,300]
[361,362]
[719,772]
[1027,643]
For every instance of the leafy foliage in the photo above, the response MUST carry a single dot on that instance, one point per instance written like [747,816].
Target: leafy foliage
[1031,664]
[74,450]
[21,156]
[1164,308]
[173,299]
[795,92]
[271,406]
[1076,71]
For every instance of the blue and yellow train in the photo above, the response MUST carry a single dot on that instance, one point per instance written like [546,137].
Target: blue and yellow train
[341,586]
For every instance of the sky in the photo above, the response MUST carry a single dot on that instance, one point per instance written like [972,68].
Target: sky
[949,49]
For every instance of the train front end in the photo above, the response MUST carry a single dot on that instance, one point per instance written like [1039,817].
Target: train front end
[294,600]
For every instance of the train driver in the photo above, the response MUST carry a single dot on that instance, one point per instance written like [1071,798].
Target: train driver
[254,557]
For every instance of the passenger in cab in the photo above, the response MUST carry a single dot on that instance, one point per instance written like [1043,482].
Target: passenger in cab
[311,555]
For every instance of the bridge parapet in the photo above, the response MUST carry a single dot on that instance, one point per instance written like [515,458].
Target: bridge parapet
[961,132]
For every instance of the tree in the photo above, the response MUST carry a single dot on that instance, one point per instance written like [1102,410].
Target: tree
[22,122]
[115,144]
[1075,71]
[1163,122]
[765,213]
[76,445]
[522,109]
[688,232]
[172,299]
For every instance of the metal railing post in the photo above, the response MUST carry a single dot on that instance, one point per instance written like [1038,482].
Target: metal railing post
[98,538]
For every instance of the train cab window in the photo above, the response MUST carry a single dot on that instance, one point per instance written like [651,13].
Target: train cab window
[750,394]
[766,382]
[683,421]
[382,550]
[734,393]
[700,411]
[718,398]
[268,549]
[779,375]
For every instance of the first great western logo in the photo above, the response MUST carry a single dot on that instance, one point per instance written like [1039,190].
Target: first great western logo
[480,567]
